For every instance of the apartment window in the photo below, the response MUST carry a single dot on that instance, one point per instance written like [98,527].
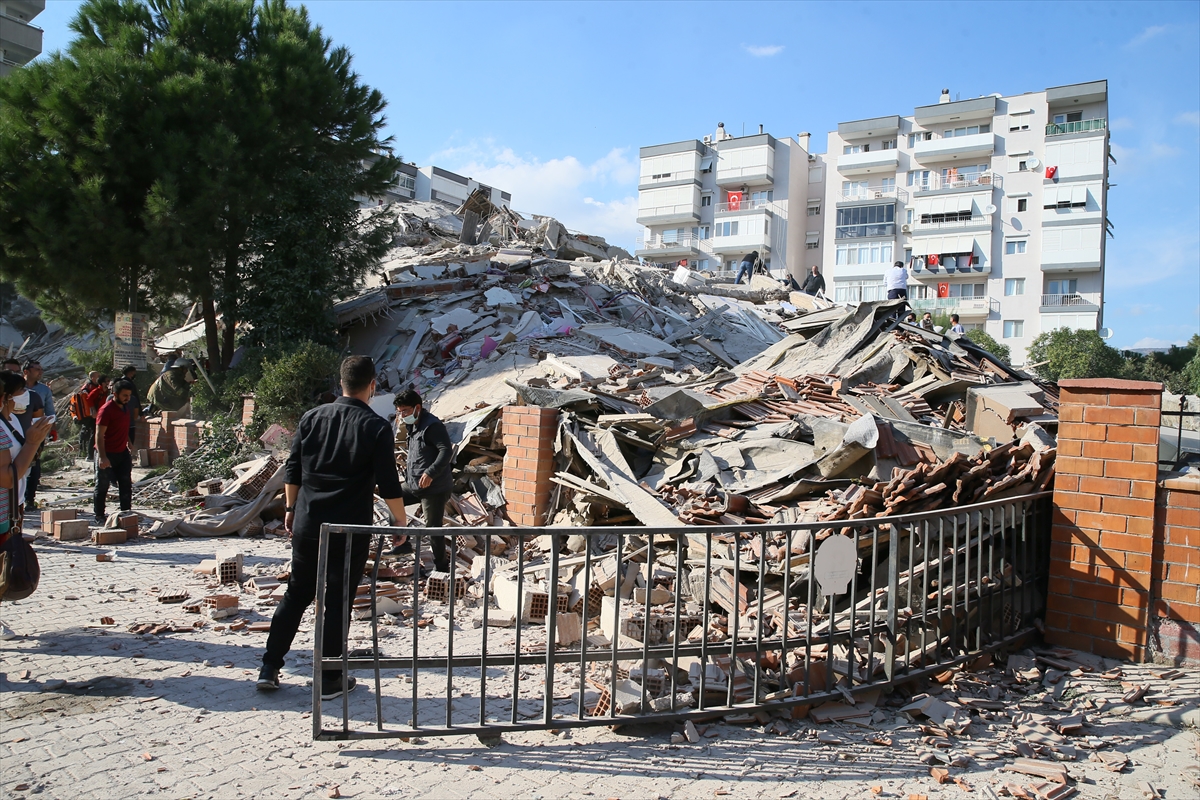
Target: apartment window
[1062,287]
[1022,166]
[887,184]
[1074,116]
[1012,248]
[758,198]
[952,216]
[968,290]
[1017,126]
[910,213]
[890,144]
[702,264]
[864,253]
[816,174]
[726,229]
[861,291]
[866,222]
[812,245]
[672,235]
[703,232]
[1014,287]
[919,178]
[660,175]
[705,200]
[851,149]
[814,211]
[966,130]
[963,176]
[854,189]
[1014,328]
[1022,204]
[919,136]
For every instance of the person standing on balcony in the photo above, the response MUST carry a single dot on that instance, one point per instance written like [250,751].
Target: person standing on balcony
[747,267]
[814,283]
[897,282]
[956,326]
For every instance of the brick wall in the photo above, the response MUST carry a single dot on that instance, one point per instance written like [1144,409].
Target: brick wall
[247,409]
[1175,584]
[528,462]
[1102,540]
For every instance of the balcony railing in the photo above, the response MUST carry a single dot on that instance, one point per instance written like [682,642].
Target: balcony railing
[937,182]
[684,242]
[679,209]
[1059,128]
[870,230]
[963,306]
[958,223]
[681,175]
[1072,299]
[875,193]
[752,205]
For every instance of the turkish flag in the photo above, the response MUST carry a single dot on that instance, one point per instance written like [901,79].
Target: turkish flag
[735,201]
[1051,172]
[943,290]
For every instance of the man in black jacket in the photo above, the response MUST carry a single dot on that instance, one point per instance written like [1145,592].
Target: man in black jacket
[814,283]
[341,452]
[428,477]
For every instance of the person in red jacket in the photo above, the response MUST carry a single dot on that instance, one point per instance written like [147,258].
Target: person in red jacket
[114,462]
[96,395]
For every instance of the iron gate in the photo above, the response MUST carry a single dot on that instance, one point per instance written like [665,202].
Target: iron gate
[932,590]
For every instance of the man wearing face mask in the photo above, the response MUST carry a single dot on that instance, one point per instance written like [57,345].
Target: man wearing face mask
[428,477]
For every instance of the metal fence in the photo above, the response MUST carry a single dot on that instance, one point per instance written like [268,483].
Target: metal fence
[739,626]
[1181,448]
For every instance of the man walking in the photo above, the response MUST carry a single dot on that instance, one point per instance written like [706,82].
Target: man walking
[428,475]
[897,282]
[96,397]
[341,452]
[814,283]
[114,462]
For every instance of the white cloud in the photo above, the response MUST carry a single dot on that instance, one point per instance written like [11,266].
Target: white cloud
[1147,342]
[763,50]
[1121,124]
[1146,35]
[1189,117]
[598,198]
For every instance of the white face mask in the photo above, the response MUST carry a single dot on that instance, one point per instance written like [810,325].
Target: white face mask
[21,402]
[411,419]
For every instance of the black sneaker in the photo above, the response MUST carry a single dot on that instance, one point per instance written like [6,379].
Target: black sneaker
[401,550]
[268,679]
[331,690]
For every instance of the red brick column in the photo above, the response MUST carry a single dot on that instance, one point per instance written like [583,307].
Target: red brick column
[528,462]
[1102,540]
[1176,578]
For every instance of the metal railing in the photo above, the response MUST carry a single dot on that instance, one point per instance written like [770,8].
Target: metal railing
[686,241]
[752,205]
[713,630]
[874,193]
[1071,299]
[1059,128]
[948,224]
[1180,448]
[937,182]
[679,209]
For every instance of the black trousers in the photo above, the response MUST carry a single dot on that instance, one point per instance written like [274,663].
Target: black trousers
[434,508]
[897,294]
[87,437]
[31,482]
[121,473]
[302,590]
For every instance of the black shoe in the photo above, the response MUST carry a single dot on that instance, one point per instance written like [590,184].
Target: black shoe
[401,550]
[331,690]
[268,679]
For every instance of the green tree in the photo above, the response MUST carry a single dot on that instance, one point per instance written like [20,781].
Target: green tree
[1190,374]
[981,337]
[151,160]
[1066,353]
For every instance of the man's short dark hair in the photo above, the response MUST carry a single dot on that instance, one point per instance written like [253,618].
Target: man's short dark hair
[122,385]
[954,318]
[408,398]
[128,369]
[31,363]
[357,373]
[898,264]
[16,365]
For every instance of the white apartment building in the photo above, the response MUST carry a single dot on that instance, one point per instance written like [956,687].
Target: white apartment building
[997,205]
[20,39]
[711,202]
[434,183]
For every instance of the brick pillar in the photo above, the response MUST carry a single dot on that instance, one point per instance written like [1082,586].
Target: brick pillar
[1175,584]
[1102,540]
[528,462]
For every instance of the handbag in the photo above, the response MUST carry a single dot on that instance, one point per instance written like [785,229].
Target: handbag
[19,568]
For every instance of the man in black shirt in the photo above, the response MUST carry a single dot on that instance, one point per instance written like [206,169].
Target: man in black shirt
[814,283]
[428,475]
[340,453]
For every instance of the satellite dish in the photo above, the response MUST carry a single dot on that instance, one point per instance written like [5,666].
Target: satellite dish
[1106,333]
[1033,163]
[989,209]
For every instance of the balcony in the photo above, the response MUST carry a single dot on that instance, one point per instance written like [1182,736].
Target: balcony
[677,178]
[22,41]
[750,206]
[662,215]
[1083,126]
[965,307]
[749,175]
[860,193]
[1075,301]
[954,180]
[738,243]
[964,148]
[871,230]
[865,163]
[972,224]
[671,247]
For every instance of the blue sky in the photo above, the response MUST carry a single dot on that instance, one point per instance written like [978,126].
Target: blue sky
[551,101]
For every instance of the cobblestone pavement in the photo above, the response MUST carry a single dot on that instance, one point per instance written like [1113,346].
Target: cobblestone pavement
[91,710]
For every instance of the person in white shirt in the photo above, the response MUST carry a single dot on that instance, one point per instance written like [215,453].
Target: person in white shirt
[897,281]
[955,325]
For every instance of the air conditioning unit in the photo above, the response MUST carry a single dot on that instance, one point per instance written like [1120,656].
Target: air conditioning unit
[906,228]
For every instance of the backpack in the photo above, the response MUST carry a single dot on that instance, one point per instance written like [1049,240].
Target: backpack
[78,406]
